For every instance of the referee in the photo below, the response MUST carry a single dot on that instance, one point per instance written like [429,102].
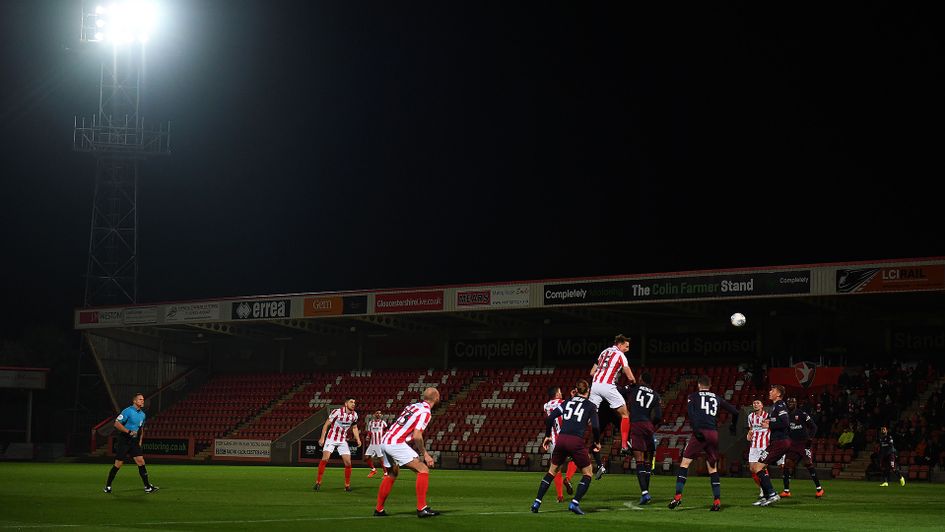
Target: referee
[129,425]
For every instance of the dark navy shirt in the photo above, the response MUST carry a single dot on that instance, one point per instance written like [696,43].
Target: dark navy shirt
[779,423]
[886,444]
[644,403]
[800,422]
[575,414]
[703,408]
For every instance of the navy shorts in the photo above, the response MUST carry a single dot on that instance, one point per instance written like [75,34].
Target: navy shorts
[573,446]
[774,451]
[641,436]
[888,461]
[800,453]
[710,446]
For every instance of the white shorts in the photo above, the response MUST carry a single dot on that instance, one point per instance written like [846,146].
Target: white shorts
[374,450]
[401,453]
[754,455]
[607,392]
[342,447]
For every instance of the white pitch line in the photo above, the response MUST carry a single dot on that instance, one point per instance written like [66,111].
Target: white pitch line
[253,521]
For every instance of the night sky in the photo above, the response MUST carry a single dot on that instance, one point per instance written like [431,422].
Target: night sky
[349,144]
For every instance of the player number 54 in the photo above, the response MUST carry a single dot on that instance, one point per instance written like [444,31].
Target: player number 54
[578,410]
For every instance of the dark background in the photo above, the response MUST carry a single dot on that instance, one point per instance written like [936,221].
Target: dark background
[342,145]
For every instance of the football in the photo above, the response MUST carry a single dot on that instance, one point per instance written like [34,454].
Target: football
[738,319]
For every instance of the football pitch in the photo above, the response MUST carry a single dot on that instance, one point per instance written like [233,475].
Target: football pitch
[37,496]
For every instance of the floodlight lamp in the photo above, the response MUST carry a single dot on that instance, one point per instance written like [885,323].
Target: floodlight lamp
[126,22]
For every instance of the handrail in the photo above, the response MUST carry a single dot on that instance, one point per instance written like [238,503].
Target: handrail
[168,384]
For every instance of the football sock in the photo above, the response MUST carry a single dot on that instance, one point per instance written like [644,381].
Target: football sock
[787,479]
[111,475]
[716,485]
[572,468]
[681,475]
[321,470]
[641,476]
[582,488]
[543,487]
[649,474]
[886,476]
[597,460]
[384,491]
[143,471]
[624,432]
[559,484]
[766,482]
[423,481]
[754,476]
[347,475]
[813,476]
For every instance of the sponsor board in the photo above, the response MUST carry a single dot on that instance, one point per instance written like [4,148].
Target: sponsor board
[672,288]
[409,301]
[495,297]
[582,349]
[519,349]
[355,305]
[322,306]
[891,279]
[101,317]
[23,379]
[162,447]
[702,344]
[805,375]
[261,309]
[311,451]
[190,312]
[140,316]
[922,340]
[229,449]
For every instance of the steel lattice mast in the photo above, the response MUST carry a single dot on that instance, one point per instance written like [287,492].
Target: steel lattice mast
[119,139]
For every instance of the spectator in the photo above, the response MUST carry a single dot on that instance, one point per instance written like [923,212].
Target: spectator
[845,441]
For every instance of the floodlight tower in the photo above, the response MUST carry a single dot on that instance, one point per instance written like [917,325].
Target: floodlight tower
[119,140]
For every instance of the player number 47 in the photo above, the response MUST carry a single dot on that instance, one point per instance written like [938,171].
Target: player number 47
[645,399]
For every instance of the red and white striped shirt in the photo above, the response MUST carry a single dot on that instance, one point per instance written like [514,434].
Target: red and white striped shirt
[609,365]
[556,427]
[376,429]
[343,420]
[414,417]
[759,434]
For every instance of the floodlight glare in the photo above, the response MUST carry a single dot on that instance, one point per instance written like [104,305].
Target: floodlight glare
[125,22]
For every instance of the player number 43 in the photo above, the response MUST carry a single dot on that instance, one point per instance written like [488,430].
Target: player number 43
[710,405]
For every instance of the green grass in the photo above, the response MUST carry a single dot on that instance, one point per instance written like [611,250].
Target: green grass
[198,497]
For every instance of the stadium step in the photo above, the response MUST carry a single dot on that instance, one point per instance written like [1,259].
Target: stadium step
[459,396]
